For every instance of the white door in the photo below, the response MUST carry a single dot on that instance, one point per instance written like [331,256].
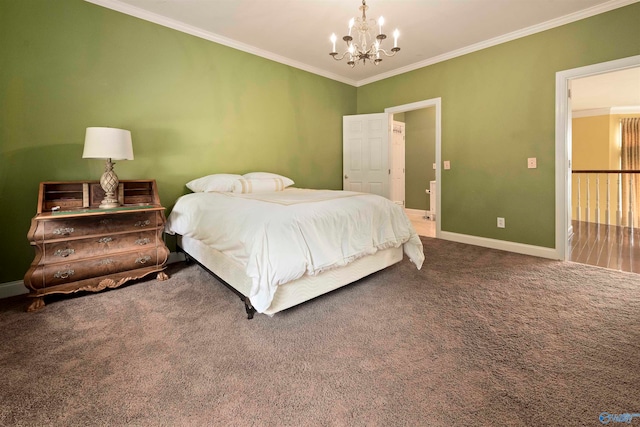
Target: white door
[365,153]
[397,163]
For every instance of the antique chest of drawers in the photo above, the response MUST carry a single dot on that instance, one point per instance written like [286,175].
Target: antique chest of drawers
[80,247]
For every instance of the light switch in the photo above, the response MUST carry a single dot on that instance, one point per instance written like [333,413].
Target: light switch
[434,166]
[447,165]
[532,163]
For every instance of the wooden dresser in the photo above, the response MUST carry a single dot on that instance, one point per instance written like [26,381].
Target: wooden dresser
[80,247]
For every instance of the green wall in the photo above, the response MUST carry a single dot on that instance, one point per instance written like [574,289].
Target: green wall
[194,108]
[498,109]
[420,154]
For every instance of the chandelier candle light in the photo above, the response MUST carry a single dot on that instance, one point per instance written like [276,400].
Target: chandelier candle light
[366,47]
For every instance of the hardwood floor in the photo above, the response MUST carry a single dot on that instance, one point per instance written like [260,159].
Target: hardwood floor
[424,227]
[602,245]
[606,246]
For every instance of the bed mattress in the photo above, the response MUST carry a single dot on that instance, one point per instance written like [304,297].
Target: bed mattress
[281,236]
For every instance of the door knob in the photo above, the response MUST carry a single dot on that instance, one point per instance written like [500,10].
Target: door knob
[346,177]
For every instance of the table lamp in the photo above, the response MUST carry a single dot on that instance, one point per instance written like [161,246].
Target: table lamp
[110,144]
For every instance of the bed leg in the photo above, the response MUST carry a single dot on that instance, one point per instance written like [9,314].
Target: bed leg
[187,259]
[249,308]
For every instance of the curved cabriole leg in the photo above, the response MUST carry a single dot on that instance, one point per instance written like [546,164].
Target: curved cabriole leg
[36,304]
[162,276]
[249,308]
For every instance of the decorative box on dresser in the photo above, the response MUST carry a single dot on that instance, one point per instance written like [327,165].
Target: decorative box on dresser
[80,247]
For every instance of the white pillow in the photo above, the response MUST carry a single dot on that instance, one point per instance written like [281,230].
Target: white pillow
[215,182]
[267,175]
[258,185]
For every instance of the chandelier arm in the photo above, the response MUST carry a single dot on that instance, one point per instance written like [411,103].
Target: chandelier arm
[393,51]
[341,57]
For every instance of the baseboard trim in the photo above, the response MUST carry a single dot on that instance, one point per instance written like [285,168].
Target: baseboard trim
[430,215]
[519,248]
[415,211]
[11,289]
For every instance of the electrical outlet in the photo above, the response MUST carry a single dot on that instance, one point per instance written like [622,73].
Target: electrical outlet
[500,222]
[447,165]
[532,163]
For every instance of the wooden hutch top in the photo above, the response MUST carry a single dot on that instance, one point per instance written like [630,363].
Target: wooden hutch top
[59,198]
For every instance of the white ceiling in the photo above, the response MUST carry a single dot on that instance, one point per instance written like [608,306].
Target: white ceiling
[616,89]
[296,32]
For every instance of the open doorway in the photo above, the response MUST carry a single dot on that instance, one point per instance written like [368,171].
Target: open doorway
[564,150]
[414,148]
[605,110]
[368,157]
[422,155]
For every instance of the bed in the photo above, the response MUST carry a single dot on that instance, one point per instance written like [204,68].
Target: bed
[278,246]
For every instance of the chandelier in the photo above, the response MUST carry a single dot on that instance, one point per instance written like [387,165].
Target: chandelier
[366,47]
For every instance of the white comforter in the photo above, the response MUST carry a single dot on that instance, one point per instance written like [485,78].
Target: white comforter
[282,235]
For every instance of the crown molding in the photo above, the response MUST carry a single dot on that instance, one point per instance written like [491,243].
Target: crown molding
[557,22]
[136,12]
[197,32]
[631,109]
[592,112]
[606,111]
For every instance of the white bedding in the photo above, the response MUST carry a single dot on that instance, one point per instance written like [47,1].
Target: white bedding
[280,236]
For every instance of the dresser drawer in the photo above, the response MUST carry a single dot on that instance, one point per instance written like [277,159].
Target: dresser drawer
[85,248]
[59,273]
[65,228]
[70,250]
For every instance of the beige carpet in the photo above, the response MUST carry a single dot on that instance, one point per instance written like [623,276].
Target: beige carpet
[478,337]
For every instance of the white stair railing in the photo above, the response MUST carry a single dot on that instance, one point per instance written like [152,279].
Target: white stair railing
[619,204]
[607,214]
[630,203]
[578,210]
[584,208]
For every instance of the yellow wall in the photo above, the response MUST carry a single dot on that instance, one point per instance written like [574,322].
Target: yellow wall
[596,146]
[591,142]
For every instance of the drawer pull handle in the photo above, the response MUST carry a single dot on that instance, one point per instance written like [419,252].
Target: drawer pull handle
[142,242]
[106,262]
[63,231]
[64,252]
[143,259]
[105,239]
[142,223]
[63,274]
[105,221]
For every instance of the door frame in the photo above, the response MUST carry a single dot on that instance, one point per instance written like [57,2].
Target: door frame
[563,145]
[428,103]
[392,159]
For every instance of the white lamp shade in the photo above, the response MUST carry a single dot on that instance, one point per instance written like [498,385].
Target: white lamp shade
[107,143]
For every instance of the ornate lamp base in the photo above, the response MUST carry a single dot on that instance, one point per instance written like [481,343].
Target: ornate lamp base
[108,205]
[109,183]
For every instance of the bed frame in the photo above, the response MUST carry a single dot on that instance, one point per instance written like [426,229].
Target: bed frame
[232,274]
